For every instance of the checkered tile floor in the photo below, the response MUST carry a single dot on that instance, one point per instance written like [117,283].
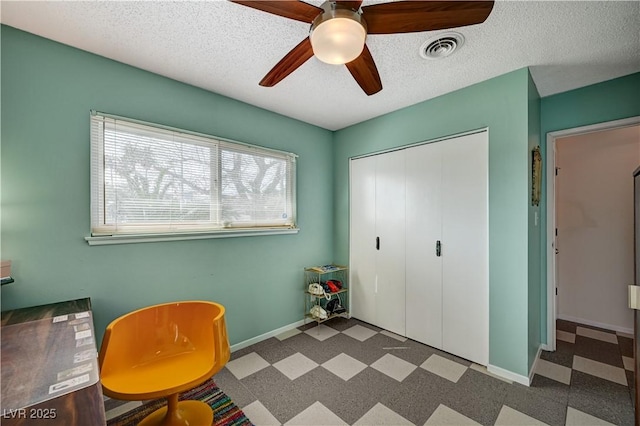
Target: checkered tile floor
[349,372]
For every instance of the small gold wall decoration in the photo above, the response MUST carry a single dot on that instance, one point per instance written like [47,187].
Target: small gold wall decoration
[536,176]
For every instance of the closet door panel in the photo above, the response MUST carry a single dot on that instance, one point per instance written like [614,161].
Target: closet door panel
[390,229]
[424,227]
[362,239]
[465,247]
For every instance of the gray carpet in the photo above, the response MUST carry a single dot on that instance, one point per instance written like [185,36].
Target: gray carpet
[349,372]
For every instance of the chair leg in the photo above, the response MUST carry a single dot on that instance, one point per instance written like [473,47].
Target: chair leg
[180,413]
[173,416]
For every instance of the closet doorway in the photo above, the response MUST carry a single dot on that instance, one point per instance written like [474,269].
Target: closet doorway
[419,243]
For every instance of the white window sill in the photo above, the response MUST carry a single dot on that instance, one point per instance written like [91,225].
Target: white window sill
[152,238]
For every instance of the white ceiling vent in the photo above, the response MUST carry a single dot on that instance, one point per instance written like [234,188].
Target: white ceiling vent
[441,46]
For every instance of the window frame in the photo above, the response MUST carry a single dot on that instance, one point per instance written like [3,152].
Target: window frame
[99,232]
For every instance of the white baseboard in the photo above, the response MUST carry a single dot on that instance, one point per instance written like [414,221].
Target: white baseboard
[596,324]
[509,375]
[546,347]
[266,336]
[535,363]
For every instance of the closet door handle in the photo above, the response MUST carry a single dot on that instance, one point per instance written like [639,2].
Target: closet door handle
[438,248]
[377,243]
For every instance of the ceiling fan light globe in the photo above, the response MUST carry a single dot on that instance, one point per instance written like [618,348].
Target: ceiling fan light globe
[338,40]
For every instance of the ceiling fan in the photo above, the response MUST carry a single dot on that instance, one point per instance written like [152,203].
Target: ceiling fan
[339,29]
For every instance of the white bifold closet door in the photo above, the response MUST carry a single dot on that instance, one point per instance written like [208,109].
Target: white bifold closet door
[465,247]
[362,251]
[404,205]
[424,229]
[447,202]
[378,240]
[390,234]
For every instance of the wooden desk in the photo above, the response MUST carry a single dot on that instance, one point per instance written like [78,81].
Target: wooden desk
[41,349]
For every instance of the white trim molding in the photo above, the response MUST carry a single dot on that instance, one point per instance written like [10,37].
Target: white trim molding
[546,347]
[509,375]
[518,378]
[155,238]
[534,365]
[266,336]
[596,324]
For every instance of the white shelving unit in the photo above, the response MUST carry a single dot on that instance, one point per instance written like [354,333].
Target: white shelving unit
[320,275]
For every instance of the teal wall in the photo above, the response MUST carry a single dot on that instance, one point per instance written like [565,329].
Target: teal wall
[47,92]
[599,103]
[501,104]
[535,231]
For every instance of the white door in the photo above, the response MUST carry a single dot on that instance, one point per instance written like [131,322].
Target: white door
[362,239]
[424,230]
[390,234]
[465,247]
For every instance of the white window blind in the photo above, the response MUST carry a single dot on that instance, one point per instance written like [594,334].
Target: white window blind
[147,179]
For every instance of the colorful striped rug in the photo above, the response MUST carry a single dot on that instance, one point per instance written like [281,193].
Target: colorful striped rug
[225,412]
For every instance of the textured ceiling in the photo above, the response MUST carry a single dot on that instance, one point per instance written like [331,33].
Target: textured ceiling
[227,48]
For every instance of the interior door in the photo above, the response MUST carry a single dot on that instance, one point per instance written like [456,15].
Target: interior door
[465,247]
[362,239]
[424,230]
[390,241]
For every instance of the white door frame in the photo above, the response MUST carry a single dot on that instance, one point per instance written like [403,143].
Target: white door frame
[551,212]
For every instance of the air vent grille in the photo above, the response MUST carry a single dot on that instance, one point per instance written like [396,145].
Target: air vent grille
[441,46]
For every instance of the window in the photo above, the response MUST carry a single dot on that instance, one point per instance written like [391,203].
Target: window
[152,180]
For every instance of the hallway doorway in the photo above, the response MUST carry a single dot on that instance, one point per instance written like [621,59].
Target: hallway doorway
[590,224]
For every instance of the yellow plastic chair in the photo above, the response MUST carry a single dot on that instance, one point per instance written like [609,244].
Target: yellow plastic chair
[162,350]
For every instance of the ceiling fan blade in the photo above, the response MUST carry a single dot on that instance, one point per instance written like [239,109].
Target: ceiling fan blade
[292,60]
[364,71]
[416,16]
[294,9]
[355,5]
